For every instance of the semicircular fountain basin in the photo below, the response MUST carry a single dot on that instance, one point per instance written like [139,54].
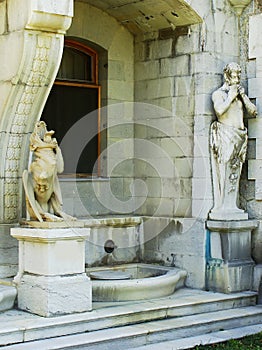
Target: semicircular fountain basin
[134,281]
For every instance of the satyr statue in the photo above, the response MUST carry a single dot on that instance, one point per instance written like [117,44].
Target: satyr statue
[228,141]
[42,189]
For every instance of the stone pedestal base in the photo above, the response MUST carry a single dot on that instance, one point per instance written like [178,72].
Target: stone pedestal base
[54,295]
[8,252]
[230,266]
[7,297]
[51,279]
[228,215]
[257,282]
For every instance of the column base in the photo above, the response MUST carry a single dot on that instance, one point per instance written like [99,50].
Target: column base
[51,279]
[227,278]
[229,263]
[8,252]
[49,296]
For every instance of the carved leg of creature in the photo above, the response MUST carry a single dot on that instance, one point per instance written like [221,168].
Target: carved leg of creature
[58,211]
[46,216]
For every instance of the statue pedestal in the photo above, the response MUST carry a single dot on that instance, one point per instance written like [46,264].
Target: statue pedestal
[51,279]
[228,215]
[229,264]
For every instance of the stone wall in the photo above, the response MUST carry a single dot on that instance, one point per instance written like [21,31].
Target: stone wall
[253,196]
[103,196]
[178,70]
[165,166]
[176,242]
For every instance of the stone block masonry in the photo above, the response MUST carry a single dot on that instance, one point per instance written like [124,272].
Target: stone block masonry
[51,279]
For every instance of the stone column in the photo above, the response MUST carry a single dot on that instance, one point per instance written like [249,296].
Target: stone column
[229,263]
[51,279]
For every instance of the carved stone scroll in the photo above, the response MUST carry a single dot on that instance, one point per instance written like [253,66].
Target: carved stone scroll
[42,51]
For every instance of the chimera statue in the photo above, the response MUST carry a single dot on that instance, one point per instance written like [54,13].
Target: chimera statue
[42,189]
[228,141]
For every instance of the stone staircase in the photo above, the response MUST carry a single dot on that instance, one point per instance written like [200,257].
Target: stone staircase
[188,316]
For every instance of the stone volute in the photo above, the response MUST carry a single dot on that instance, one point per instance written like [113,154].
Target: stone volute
[38,37]
[239,5]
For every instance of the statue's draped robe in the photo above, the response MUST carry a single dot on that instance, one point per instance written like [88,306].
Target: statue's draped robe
[228,147]
[228,144]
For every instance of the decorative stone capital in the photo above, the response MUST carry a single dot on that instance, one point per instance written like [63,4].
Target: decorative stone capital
[231,226]
[55,16]
[239,5]
[52,16]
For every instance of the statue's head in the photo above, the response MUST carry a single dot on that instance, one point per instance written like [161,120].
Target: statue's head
[232,73]
[40,129]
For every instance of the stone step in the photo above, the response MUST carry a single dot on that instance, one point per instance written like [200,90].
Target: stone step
[203,339]
[121,338]
[7,296]
[19,326]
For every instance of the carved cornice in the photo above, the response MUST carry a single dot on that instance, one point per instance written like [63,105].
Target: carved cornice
[52,16]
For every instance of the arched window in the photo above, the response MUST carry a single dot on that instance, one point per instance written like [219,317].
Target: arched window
[74,95]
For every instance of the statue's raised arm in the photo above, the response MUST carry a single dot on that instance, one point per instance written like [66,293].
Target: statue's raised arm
[42,189]
[228,143]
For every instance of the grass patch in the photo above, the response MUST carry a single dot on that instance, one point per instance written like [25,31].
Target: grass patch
[252,342]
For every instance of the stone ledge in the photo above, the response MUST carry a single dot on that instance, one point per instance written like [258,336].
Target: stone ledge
[233,225]
[49,235]
[113,221]
[48,224]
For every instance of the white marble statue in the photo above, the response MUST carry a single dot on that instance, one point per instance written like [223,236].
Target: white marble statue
[228,142]
[42,189]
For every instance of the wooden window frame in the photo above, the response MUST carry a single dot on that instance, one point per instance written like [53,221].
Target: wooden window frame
[88,84]
[88,51]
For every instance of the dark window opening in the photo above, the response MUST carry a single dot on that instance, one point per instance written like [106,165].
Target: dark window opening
[74,95]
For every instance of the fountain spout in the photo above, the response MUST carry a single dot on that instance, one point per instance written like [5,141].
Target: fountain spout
[173,256]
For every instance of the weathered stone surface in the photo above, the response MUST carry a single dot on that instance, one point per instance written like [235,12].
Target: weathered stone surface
[51,278]
[8,252]
[230,265]
[255,45]
[7,297]
[125,240]
[174,242]
[49,296]
[53,251]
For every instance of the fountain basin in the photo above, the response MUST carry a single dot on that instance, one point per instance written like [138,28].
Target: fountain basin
[141,281]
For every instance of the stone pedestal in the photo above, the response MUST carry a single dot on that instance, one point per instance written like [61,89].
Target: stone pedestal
[229,263]
[8,252]
[51,278]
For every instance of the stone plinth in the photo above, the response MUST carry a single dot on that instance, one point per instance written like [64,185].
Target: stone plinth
[51,278]
[230,266]
[228,215]
[8,252]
